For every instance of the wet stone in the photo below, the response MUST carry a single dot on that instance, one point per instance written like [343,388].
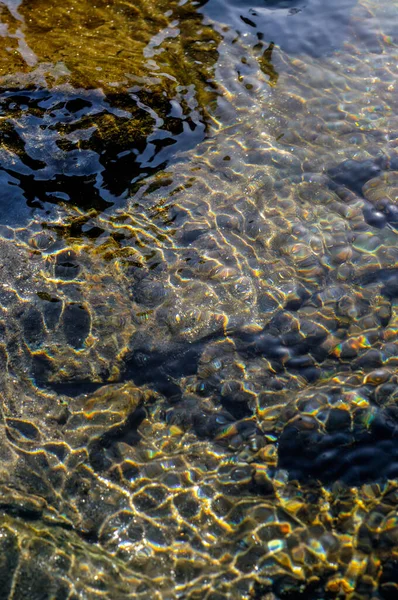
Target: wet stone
[375,217]
[66,265]
[41,367]
[391,212]
[52,309]
[24,428]
[149,292]
[33,328]
[343,453]
[267,303]
[76,324]
[9,559]
[353,174]
[369,360]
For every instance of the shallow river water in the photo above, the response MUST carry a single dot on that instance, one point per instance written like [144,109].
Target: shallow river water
[198,299]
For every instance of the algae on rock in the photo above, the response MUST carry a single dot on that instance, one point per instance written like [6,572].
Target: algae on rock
[116,72]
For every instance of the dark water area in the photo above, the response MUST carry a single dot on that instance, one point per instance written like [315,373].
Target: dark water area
[198,300]
[55,150]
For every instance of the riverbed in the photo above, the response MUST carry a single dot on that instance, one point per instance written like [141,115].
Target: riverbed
[198,298]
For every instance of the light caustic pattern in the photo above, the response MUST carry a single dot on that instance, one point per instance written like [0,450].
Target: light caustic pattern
[234,326]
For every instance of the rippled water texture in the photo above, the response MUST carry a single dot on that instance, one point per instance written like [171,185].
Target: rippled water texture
[199,300]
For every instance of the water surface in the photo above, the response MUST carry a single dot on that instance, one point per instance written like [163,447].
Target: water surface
[198,300]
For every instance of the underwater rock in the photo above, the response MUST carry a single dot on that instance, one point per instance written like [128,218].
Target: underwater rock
[343,452]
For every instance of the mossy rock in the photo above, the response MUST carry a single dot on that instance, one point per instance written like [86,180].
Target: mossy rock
[112,43]
[105,78]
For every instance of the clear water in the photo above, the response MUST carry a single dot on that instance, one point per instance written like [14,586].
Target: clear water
[198,295]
